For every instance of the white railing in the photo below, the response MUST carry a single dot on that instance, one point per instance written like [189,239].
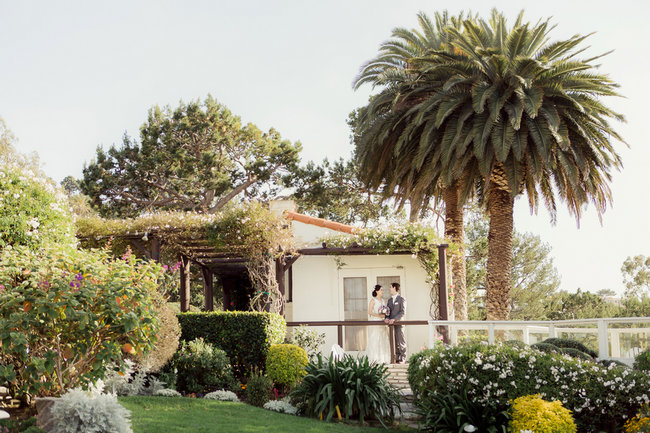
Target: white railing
[614,338]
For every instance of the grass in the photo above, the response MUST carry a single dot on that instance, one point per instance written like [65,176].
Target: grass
[181,414]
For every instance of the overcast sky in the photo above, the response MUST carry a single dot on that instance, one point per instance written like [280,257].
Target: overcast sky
[79,74]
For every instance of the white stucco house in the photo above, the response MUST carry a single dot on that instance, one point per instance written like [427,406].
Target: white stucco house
[323,285]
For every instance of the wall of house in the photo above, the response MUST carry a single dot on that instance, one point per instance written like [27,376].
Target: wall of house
[318,290]
[309,234]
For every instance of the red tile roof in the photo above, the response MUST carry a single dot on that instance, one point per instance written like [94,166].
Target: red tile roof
[295,216]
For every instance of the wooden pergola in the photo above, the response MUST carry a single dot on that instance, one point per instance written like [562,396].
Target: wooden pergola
[212,261]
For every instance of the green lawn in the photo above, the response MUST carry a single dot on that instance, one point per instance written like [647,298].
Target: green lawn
[179,414]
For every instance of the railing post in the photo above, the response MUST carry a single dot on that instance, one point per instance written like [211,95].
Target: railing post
[491,333]
[616,343]
[525,334]
[391,338]
[432,334]
[454,335]
[443,298]
[551,330]
[603,346]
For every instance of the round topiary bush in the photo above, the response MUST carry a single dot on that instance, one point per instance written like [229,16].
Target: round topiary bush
[285,364]
[566,343]
[642,361]
[532,413]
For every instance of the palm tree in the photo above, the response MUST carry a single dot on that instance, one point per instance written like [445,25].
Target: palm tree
[528,118]
[396,150]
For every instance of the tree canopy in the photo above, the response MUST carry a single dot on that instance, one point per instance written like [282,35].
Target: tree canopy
[196,157]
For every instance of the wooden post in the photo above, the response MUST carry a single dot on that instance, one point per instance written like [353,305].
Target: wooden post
[340,334]
[279,277]
[443,298]
[155,248]
[391,338]
[185,283]
[208,284]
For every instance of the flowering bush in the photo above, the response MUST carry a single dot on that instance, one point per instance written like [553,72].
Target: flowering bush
[67,315]
[417,239]
[601,398]
[309,339]
[281,406]
[222,395]
[530,412]
[640,423]
[31,213]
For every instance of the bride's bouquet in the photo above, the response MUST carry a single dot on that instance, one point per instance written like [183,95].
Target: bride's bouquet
[384,310]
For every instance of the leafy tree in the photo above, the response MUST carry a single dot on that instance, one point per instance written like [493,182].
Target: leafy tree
[635,306]
[582,305]
[196,157]
[534,279]
[636,276]
[332,190]
[504,111]
[606,293]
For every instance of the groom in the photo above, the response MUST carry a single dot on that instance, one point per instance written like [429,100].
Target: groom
[397,306]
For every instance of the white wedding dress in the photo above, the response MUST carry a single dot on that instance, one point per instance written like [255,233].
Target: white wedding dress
[378,348]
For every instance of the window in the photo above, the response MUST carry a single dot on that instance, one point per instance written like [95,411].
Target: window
[355,307]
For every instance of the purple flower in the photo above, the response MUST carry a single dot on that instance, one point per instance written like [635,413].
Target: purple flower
[79,276]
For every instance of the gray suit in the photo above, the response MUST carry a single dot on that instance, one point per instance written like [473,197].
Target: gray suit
[397,311]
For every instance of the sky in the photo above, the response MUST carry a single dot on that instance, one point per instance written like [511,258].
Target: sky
[80,74]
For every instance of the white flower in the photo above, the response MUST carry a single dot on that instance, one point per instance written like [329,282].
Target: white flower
[469,428]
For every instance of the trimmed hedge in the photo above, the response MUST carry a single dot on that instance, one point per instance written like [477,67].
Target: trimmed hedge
[245,336]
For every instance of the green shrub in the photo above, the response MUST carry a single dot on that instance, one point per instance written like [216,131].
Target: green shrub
[12,425]
[532,413]
[309,339]
[575,353]
[167,337]
[570,344]
[642,361]
[201,367]
[285,364]
[355,388]
[245,336]
[66,316]
[546,348]
[258,389]
[453,412]
[600,398]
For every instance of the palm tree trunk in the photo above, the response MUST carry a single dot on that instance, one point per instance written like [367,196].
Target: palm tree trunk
[455,232]
[499,262]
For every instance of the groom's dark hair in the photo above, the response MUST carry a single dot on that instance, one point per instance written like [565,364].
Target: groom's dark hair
[396,285]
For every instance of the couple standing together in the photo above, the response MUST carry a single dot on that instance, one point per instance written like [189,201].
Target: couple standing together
[378,348]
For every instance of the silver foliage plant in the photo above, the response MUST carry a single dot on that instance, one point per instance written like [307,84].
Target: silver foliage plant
[281,406]
[92,411]
[222,395]
[132,381]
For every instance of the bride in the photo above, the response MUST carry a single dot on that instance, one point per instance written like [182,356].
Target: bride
[378,348]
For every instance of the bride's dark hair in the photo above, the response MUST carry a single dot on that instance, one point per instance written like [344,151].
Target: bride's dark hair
[375,290]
